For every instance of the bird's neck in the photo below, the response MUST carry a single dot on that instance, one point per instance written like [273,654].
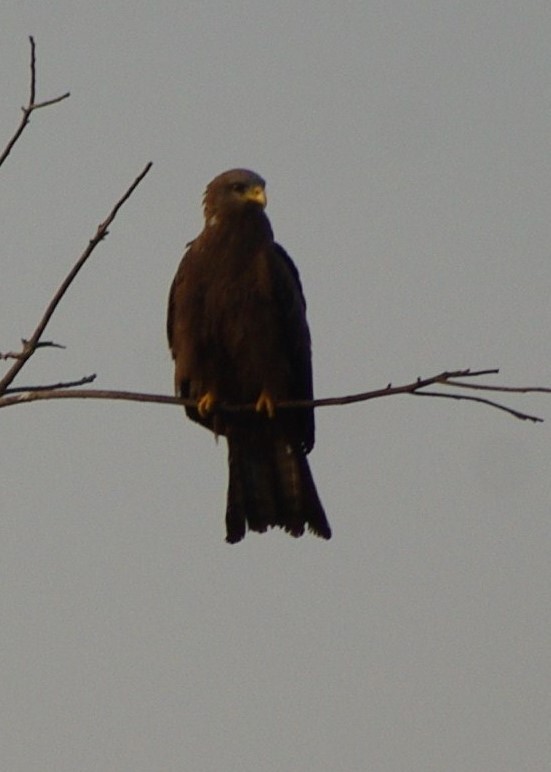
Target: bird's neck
[247,229]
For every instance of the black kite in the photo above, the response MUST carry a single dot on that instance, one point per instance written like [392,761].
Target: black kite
[238,334]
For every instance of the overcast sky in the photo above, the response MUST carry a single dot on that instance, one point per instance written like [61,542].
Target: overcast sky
[406,147]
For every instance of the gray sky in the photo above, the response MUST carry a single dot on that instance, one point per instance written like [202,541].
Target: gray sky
[406,147]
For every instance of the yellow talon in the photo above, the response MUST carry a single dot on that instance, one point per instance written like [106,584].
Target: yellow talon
[206,404]
[265,404]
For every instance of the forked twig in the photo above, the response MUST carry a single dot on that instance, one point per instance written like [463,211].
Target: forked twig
[31,106]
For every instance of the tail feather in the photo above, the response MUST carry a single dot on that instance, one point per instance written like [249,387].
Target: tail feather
[270,484]
[251,483]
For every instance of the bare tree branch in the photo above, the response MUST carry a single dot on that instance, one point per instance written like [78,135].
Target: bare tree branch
[414,388]
[30,346]
[31,106]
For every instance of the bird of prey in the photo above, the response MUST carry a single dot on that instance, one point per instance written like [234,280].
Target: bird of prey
[238,335]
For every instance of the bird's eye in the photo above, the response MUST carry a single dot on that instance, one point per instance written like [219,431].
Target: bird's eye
[238,187]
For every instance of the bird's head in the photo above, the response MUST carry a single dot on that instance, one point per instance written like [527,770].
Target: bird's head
[233,191]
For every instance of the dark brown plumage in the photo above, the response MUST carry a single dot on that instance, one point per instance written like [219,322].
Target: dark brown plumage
[238,334]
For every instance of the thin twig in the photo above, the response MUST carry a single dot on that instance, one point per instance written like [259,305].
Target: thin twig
[30,346]
[512,389]
[47,344]
[53,386]
[516,413]
[48,102]
[32,105]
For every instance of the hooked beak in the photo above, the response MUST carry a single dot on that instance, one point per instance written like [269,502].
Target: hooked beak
[257,194]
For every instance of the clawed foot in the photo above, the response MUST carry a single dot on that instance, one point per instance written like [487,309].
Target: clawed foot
[206,404]
[265,404]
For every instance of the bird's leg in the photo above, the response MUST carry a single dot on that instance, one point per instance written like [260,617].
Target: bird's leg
[265,404]
[206,404]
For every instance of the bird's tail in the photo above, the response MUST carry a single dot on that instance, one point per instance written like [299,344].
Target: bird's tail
[270,484]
